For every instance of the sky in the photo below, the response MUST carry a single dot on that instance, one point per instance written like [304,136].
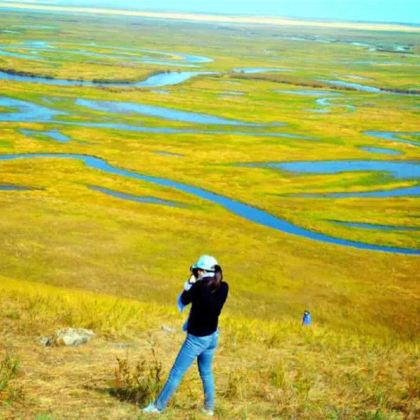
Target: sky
[402,11]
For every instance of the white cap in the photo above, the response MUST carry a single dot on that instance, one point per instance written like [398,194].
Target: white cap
[206,262]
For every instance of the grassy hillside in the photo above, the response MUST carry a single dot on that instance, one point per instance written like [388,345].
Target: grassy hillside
[263,369]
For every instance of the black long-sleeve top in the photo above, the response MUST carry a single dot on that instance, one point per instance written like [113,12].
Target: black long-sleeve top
[206,307]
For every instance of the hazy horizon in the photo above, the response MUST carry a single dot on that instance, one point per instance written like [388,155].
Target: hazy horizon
[381,11]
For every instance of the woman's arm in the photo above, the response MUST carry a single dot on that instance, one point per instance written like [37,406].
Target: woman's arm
[187,286]
[187,296]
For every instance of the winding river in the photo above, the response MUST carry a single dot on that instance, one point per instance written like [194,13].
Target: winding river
[325,99]
[168,78]
[355,86]
[380,150]
[14,188]
[243,210]
[396,169]
[159,112]
[34,48]
[51,134]
[394,136]
[369,89]
[23,111]
[255,70]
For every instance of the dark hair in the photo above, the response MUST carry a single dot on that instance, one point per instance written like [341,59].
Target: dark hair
[194,272]
[214,282]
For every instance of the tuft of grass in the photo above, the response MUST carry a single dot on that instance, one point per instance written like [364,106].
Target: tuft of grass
[9,367]
[236,386]
[139,383]
[277,376]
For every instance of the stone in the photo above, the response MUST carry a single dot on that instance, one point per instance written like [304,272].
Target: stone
[73,336]
[68,337]
[168,329]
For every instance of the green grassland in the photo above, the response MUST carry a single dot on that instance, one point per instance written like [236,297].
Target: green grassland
[71,256]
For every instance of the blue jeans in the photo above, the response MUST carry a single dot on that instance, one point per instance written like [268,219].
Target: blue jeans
[202,349]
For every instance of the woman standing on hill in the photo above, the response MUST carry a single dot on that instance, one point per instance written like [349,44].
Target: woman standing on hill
[207,292]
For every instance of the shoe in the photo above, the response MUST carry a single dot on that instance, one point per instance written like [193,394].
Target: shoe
[207,412]
[151,409]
